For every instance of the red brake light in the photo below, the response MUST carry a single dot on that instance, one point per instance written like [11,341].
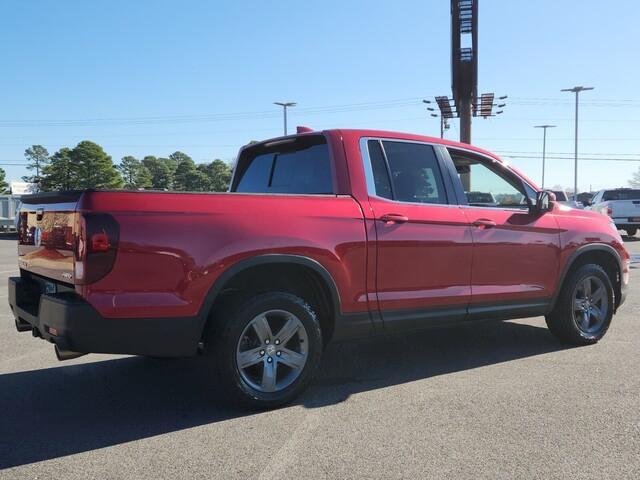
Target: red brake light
[609,211]
[100,242]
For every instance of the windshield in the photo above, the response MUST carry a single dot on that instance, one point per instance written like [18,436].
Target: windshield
[480,197]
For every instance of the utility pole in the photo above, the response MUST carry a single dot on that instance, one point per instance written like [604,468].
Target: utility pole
[577,91]
[444,123]
[544,146]
[284,106]
[465,112]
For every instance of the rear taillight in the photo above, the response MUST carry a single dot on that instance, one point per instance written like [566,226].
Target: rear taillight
[100,242]
[96,247]
[609,211]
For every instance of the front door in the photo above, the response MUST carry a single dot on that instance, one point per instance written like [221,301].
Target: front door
[423,238]
[515,252]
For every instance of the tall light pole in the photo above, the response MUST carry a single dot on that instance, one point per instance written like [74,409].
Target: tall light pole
[577,91]
[544,146]
[284,106]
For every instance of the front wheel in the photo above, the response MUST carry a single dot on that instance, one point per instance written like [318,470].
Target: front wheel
[631,231]
[584,309]
[266,348]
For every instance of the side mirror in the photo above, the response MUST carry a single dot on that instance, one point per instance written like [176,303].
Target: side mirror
[544,201]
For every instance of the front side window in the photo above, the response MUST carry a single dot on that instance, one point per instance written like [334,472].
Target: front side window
[406,172]
[487,185]
[300,166]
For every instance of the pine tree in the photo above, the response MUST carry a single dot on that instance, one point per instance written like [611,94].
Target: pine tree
[219,174]
[59,174]
[38,158]
[134,173]
[160,171]
[182,178]
[3,183]
[93,167]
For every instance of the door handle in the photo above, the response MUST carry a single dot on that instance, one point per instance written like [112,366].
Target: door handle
[394,218]
[484,223]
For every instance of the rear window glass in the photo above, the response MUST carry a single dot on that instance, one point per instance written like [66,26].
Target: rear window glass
[560,195]
[621,195]
[380,173]
[300,166]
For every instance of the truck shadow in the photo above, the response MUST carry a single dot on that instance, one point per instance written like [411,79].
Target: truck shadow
[60,411]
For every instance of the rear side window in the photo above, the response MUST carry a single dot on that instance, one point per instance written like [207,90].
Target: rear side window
[560,195]
[625,194]
[299,166]
[380,172]
[406,172]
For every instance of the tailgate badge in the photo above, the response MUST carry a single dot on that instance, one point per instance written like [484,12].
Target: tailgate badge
[50,288]
[67,276]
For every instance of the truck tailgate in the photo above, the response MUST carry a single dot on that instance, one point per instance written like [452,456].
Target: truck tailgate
[625,209]
[47,228]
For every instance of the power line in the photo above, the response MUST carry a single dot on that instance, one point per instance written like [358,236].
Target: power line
[265,114]
[268,114]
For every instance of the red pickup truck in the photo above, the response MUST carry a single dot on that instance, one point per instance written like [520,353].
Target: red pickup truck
[322,236]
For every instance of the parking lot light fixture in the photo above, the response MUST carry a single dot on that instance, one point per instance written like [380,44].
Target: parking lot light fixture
[284,106]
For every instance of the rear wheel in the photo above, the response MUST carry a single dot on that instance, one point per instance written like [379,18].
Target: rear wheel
[631,231]
[266,348]
[584,309]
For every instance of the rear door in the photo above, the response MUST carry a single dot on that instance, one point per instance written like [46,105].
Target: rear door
[423,240]
[515,253]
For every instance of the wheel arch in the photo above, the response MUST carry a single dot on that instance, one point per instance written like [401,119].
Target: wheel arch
[326,296]
[601,254]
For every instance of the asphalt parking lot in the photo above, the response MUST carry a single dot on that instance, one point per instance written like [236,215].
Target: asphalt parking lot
[496,401]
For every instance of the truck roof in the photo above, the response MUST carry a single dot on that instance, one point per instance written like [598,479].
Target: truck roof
[386,133]
[355,132]
[423,138]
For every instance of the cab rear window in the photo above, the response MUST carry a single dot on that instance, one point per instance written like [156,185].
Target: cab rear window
[300,165]
[621,195]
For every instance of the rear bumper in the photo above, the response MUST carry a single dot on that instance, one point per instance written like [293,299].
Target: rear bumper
[71,323]
[622,223]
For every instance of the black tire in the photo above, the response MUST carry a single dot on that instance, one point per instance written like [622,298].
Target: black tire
[561,321]
[223,337]
[631,231]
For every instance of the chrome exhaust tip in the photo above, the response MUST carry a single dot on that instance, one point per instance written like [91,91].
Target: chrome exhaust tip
[62,354]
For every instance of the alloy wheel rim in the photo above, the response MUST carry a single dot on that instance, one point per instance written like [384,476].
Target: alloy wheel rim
[590,305]
[272,351]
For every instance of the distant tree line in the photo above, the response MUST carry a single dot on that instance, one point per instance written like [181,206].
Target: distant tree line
[88,166]
[3,184]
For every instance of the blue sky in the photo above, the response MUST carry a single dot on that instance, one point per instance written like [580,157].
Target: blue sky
[152,77]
